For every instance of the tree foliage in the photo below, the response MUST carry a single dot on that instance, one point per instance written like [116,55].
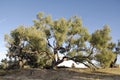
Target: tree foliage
[105,58]
[100,41]
[40,44]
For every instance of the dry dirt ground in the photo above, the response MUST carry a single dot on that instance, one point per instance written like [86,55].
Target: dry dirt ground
[60,74]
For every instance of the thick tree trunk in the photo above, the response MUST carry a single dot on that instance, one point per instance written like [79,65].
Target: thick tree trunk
[56,60]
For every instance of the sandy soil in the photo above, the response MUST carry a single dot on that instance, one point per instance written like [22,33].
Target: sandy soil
[59,74]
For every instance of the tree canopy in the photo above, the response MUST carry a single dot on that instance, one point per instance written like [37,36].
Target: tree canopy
[39,45]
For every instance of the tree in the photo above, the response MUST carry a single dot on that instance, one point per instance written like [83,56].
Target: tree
[66,35]
[25,44]
[106,57]
[100,41]
[40,45]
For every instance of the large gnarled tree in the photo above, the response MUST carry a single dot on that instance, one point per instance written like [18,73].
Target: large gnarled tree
[40,45]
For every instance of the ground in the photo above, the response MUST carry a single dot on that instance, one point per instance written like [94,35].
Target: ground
[61,74]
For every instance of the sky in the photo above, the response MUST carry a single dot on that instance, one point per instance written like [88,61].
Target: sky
[94,14]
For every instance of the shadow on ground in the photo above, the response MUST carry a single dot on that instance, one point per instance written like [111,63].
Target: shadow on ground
[60,74]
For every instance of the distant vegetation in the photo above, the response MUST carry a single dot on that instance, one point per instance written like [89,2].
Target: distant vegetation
[37,46]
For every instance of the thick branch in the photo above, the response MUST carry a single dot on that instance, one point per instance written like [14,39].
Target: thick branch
[91,63]
[82,60]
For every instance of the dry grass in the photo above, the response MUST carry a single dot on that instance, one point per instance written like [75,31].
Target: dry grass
[61,74]
[110,70]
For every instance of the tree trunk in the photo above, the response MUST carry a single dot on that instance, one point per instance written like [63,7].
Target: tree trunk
[55,59]
[112,64]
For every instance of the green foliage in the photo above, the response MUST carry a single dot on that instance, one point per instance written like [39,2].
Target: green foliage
[105,57]
[59,29]
[4,64]
[36,38]
[111,45]
[72,53]
[100,38]
[30,40]
[43,60]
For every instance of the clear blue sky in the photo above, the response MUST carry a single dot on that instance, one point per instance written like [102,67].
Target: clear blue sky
[94,14]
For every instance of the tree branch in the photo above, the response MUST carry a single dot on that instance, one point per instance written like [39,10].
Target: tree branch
[49,44]
[91,52]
